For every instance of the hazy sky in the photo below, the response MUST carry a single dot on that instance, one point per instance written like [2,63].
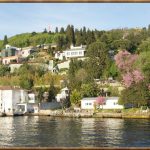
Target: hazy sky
[19,18]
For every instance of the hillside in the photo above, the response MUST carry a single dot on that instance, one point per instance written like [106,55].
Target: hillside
[32,39]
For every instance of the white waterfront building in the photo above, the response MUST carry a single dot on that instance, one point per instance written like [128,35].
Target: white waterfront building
[10,97]
[110,103]
[14,100]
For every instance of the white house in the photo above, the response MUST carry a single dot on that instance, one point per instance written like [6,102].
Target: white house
[64,65]
[11,59]
[10,97]
[59,55]
[31,97]
[26,51]
[63,94]
[110,103]
[14,66]
[73,52]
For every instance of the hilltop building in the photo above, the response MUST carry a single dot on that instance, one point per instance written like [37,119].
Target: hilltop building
[73,52]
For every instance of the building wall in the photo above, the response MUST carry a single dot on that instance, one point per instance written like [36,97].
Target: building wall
[111,103]
[49,105]
[87,104]
[26,52]
[14,66]
[74,53]
[31,98]
[5,100]
[10,98]
[7,60]
[64,65]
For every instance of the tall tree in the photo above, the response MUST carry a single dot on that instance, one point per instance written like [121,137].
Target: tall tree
[56,30]
[90,38]
[62,30]
[98,57]
[70,35]
[51,92]
[5,40]
[45,30]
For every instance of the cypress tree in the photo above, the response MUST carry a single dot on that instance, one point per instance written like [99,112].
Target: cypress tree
[5,40]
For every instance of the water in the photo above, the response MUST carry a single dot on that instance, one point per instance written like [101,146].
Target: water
[44,131]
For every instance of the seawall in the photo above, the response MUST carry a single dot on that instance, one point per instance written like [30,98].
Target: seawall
[90,114]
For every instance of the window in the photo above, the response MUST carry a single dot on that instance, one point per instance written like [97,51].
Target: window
[80,53]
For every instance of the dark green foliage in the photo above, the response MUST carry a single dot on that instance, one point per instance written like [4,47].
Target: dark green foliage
[5,40]
[121,44]
[4,70]
[75,80]
[137,95]
[90,38]
[51,92]
[26,82]
[98,57]
[89,90]
[56,30]
[62,30]
[65,103]
[45,30]
[144,46]
[70,36]
[75,97]
[60,41]
[40,95]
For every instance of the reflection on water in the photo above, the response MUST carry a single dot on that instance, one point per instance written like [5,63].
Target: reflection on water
[68,132]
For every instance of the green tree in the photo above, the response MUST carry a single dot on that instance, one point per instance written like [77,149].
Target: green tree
[90,38]
[65,102]
[70,35]
[26,83]
[98,57]
[4,70]
[40,94]
[137,95]
[45,30]
[143,63]
[75,97]
[89,90]
[144,46]
[62,30]
[56,30]
[51,92]
[5,40]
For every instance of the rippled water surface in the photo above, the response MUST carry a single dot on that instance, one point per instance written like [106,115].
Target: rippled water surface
[68,132]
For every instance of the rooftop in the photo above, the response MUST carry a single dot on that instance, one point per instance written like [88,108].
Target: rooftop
[10,88]
[94,98]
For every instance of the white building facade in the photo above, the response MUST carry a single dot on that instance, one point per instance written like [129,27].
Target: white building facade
[63,94]
[73,52]
[26,51]
[10,97]
[110,103]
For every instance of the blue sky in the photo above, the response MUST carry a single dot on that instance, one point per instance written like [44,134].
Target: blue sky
[27,17]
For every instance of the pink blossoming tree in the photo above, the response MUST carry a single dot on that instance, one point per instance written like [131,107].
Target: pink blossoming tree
[125,62]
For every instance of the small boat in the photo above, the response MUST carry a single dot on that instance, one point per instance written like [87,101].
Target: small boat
[18,113]
[2,114]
